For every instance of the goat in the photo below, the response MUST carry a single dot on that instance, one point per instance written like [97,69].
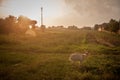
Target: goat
[77,57]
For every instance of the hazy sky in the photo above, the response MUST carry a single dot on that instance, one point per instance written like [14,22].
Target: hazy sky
[63,12]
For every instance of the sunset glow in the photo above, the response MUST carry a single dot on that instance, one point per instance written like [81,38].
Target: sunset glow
[59,39]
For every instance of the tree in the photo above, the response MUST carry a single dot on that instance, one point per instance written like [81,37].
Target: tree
[96,27]
[119,27]
[23,23]
[86,28]
[2,25]
[8,25]
[72,27]
[33,22]
[60,27]
[13,25]
[105,26]
[113,25]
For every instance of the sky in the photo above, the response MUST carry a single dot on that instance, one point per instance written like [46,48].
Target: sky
[63,12]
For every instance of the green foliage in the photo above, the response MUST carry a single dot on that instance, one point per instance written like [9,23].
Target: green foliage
[8,24]
[112,26]
[12,24]
[72,27]
[46,56]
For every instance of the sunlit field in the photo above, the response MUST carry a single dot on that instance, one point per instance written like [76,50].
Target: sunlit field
[46,56]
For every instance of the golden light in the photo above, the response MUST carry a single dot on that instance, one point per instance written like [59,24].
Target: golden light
[30,27]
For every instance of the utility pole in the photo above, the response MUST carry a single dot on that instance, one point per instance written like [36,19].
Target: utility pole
[42,25]
[41,16]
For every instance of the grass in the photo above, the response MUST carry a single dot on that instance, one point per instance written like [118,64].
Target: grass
[45,57]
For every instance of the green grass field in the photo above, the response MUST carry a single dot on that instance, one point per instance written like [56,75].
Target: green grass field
[45,57]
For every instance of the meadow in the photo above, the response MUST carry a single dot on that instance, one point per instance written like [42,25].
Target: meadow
[45,57]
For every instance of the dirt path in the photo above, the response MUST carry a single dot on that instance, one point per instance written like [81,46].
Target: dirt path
[92,38]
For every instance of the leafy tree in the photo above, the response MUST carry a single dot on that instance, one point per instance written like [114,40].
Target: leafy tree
[105,26]
[60,27]
[119,27]
[13,25]
[2,25]
[96,27]
[72,27]
[23,23]
[86,28]
[113,26]
[33,23]
[8,24]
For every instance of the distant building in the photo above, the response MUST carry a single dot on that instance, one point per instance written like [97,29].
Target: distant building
[101,28]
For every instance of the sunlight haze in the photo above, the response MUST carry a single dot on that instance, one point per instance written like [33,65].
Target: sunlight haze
[63,12]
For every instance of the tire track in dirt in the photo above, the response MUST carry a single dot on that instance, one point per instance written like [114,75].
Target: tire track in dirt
[92,38]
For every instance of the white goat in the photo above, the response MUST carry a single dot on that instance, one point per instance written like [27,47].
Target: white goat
[77,57]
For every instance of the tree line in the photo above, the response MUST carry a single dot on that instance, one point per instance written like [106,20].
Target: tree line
[13,24]
[111,26]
